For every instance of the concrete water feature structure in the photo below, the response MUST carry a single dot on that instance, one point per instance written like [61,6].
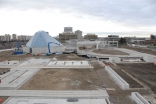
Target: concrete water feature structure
[15,78]
[138,98]
[15,100]
[35,62]
[121,82]
[69,64]
[55,97]
[10,63]
[101,76]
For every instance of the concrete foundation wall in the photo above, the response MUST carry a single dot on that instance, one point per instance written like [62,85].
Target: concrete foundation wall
[39,50]
[149,58]
[121,82]
[56,49]
[86,45]
[115,59]
[26,49]
[138,98]
[45,49]
[70,48]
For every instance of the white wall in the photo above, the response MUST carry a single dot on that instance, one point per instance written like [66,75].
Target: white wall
[44,50]
[26,49]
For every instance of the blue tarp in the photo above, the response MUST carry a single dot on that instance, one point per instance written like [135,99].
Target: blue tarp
[41,39]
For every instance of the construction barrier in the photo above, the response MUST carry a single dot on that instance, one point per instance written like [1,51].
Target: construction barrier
[121,82]
[155,63]
[138,98]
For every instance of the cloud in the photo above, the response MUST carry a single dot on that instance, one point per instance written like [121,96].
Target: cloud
[126,12]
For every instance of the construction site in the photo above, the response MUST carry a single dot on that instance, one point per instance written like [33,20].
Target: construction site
[88,76]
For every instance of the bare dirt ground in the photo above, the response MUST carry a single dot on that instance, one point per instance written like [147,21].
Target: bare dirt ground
[64,79]
[3,98]
[75,79]
[80,79]
[3,69]
[139,49]
[144,72]
[7,55]
[128,79]
[111,51]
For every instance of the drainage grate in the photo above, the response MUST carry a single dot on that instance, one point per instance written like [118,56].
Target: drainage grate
[72,100]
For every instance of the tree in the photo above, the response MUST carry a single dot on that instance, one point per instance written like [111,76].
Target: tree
[122,41]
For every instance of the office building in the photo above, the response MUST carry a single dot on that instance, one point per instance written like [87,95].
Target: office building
[79,34]
[90,36]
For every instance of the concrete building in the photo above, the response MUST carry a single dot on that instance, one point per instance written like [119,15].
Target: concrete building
[14,37]
[90,36]
[5,37]
[134,40]
[24,38]
[79,34]
[68,34]
[151,41]
[63,37]
[28,37]
[68,30]
[153,36]
[112,38]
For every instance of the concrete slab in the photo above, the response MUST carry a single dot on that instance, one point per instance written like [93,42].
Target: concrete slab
[53,101]
[6,50]
[100,94]
[16,77]
[10,63]
[35,62]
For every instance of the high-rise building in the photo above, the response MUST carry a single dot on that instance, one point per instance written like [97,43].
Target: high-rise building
[68,34]
[68,30]
[153,36]
[79,34]
[22,37]
[7,37]
[14,37]
[28,37]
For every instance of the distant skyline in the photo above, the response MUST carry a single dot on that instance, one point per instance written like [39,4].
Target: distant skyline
[117,17]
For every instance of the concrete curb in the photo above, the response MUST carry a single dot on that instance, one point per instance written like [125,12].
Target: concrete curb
[121,82]
[138,98]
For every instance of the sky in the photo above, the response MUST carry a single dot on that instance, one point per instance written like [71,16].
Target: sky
[102,17]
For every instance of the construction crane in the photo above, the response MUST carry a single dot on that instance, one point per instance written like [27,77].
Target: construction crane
[49,52]
[18,51]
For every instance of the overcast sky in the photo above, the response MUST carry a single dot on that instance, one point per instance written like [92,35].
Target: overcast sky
[121,17]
